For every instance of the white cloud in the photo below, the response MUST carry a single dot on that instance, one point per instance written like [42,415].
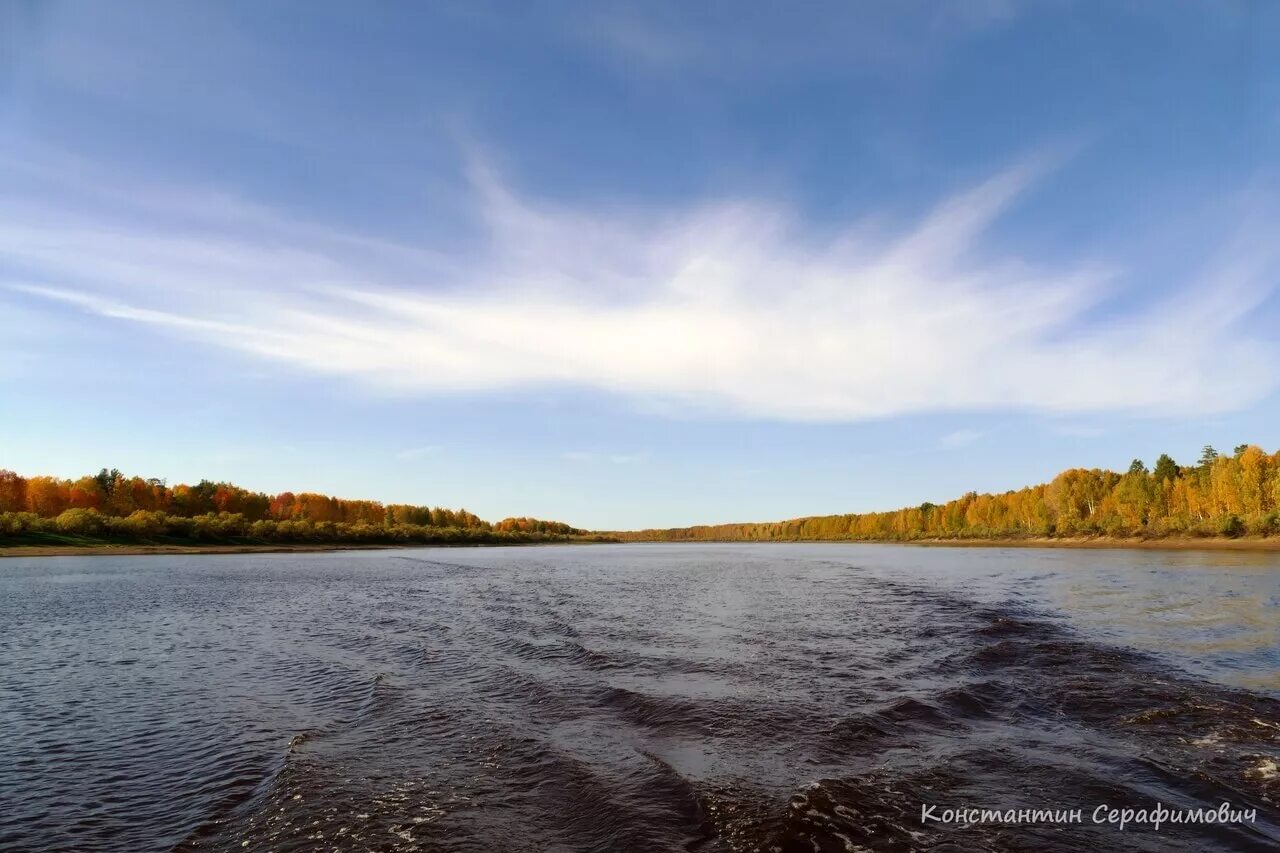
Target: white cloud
[961,437]
[594,457]
[417,452]
[732,309]
[760,40]
[1076,430]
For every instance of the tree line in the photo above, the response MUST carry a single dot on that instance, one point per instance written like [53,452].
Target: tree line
[109,505]
[1220,496]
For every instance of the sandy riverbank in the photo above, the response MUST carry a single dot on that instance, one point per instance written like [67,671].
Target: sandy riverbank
[1170,544]
[127,550]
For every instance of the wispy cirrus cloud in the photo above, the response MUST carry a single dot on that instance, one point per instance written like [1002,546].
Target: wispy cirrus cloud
[961,437]
[1077,430]
[762,40]
[418,452]
[730,308]
[596,457]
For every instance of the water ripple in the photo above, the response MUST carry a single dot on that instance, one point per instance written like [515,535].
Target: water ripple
[627,698]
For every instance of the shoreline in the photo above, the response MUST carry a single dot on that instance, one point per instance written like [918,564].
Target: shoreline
[127,550]
[1253,544]
[1246,544]
[1112,542]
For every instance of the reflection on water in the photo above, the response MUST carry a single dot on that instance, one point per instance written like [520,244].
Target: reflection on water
[641,697]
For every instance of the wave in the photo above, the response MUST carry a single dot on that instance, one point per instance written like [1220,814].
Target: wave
[410,704]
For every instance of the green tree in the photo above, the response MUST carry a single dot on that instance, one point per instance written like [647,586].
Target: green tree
[107,480]
[1166,468]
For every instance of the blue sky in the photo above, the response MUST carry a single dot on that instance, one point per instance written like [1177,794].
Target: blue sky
[633,265]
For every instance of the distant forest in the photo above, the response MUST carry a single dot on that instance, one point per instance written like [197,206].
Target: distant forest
[109,506]
[1219,496]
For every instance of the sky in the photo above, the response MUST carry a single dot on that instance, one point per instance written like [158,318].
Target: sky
[636,264]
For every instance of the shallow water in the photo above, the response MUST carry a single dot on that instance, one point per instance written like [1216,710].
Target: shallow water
[634,697]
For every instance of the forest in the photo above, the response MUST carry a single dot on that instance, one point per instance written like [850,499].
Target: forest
[1220,496]
[110,507]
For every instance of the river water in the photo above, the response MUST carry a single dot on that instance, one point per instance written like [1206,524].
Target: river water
[779,697]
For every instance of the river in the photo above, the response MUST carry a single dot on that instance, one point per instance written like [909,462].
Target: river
[773,697]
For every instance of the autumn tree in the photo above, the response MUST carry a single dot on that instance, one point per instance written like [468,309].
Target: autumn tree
[13,492]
